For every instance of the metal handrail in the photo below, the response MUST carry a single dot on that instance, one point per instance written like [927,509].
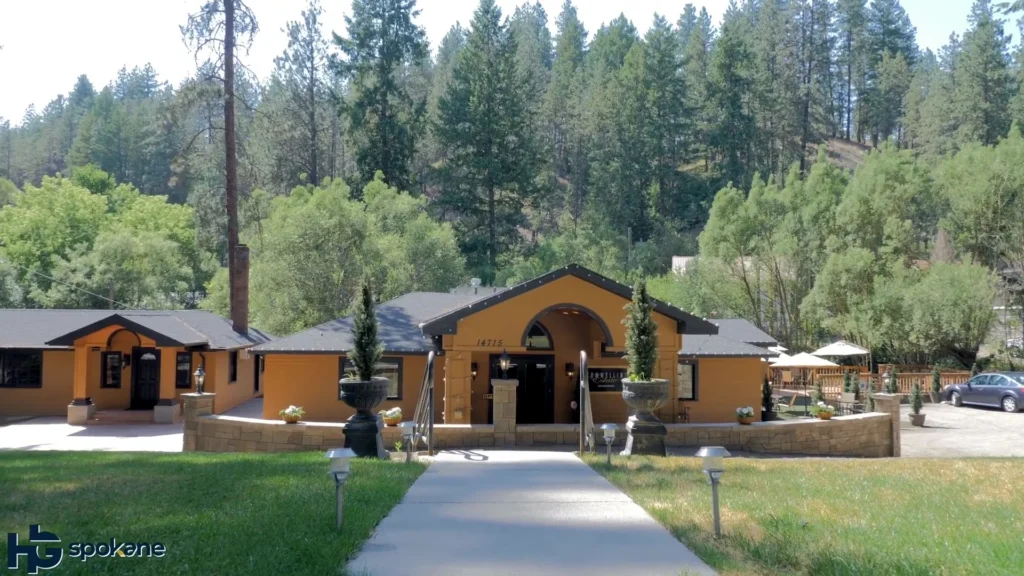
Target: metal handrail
[424,415]
[586,411]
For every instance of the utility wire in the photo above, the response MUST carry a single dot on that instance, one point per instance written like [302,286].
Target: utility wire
[80,289]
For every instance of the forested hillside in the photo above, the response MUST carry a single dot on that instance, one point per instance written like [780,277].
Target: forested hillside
[519,146]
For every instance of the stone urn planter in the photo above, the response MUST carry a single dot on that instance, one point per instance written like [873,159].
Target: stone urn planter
[646,431]
[916,419]
[363,429]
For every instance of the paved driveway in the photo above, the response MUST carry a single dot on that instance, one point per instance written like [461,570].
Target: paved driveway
[951,432]
[513,513]
[54,433]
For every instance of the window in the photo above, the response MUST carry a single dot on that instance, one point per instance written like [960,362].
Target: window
[183,370]
[233,366]
[390,368]
[686,380]
[110,368]
[21,369]
[539,338]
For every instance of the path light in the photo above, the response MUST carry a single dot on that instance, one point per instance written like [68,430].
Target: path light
[609,430]
[408,431]
[339,471]
[504,362]
[714,466]
[200,378]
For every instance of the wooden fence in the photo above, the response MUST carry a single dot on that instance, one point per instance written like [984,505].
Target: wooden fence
[831,380]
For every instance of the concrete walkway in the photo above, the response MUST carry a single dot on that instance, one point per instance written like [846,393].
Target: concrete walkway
[54,433]
[520,512]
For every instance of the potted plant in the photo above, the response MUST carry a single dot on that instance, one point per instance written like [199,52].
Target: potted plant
[916,403]
[767,401]
[892,385]
[819,395]
[292,414]
[391,417]
[364,391]
[823,411]
[936,391]
[849,393]
[745,415]
[640,390]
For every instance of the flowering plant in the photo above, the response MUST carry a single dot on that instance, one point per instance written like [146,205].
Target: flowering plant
[292,412]
[395,412]
[822,408]
[745,412]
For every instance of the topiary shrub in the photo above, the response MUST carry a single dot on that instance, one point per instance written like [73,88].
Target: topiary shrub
[936,379]
[641,334]
[916,400]
[767,402]
[819,396]
[893,386]
[367,349]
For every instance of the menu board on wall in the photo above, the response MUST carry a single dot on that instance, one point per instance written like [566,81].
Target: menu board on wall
[605,379]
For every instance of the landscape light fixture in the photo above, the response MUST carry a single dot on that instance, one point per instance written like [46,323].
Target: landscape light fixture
[408,432]
[714,466]
[609,430]
[339,471]
[200,378]
[504,362]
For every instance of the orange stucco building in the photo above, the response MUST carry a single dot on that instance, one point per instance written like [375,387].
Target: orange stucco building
[81,362]
[543,324]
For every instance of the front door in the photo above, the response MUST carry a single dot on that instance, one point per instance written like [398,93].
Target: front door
[535,396]
[145,378]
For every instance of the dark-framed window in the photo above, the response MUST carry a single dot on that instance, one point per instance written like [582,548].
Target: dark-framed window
[21,368]
[686,380]
[539,338]
[389,367]
[233,366]
[111,364]
[183,370]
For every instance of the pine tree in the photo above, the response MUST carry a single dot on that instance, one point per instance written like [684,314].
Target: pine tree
[697,72]
[671,121]
[484,126]
[733,128]
[983,81]
[381,41]
[366,347]
[564,109]
[851,21]
[641,334]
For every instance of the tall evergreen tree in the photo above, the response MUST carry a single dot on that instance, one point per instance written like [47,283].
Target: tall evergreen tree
[485,125]
[731,90]
[696,72]
[851,22]
[564,108]
[386,120]
[983,82]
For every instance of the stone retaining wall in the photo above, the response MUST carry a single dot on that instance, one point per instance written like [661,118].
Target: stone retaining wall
[866,435]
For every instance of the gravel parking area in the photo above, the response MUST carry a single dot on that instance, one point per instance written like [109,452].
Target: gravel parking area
[951,432]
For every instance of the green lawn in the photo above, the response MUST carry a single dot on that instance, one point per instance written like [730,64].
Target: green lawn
[838,516]
[215,513]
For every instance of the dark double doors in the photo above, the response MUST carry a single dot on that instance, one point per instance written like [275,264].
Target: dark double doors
[145,378]
[535,395]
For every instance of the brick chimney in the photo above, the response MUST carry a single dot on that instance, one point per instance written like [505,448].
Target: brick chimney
[240,292]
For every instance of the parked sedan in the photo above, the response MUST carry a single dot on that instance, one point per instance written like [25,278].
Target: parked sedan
[1000,389]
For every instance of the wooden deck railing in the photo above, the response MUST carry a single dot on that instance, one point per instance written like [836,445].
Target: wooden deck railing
[832,384]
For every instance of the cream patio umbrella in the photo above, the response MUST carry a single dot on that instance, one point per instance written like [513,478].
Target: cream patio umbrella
[841,348]
[803,361]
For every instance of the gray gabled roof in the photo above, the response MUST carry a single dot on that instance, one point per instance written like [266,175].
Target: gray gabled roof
[398,326]
[704,346]
[46,328]
[742,330]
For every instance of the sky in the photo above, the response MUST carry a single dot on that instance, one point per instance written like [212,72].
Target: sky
[47,44]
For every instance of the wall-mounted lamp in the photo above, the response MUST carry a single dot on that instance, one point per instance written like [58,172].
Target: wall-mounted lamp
[570,370]
[473,369]
[504,362]
[126,360]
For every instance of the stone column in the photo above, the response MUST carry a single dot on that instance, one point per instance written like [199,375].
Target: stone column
[504,411]
[196,407]
[81,407]
[167,410]
[890,404]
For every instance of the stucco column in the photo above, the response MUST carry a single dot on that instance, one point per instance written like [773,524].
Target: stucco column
[457,388]
[167,410]
[196,407]
[504,411]
[890,404]
[81,407]
[666,368]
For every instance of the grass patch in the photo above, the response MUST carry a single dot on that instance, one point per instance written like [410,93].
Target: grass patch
[838,516]
[215,513]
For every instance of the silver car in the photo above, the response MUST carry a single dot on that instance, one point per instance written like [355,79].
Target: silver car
[999,389]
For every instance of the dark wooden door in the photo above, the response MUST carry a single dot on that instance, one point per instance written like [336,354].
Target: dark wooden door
[145,378]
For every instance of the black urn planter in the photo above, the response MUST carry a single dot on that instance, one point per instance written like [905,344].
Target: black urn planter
[646,431]
[363,429]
